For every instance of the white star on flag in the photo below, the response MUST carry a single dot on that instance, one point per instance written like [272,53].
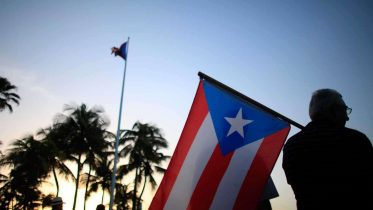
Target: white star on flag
[237,123]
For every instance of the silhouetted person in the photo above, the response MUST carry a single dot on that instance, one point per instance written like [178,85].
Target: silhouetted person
[57,203]
[328,165]
[100,207]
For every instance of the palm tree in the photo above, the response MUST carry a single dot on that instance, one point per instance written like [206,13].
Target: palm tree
[81,131]
[47,200]
[7,195]
[93,160]
[100,164]
[148,171]
[122,197]
[142,145]
[7,96]
[55,155]
[29,168]
[102,179]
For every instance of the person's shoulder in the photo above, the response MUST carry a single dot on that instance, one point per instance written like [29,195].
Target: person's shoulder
[356,135]
[353,132]
[293,139]
[301,134]
[295,136]
[309,134]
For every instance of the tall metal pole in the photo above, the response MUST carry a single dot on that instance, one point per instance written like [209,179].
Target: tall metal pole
[113,178]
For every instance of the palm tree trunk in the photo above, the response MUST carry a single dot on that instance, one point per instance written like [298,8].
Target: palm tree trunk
[142,191]
[77,181]
[103,194]
[134,199]
[86,186]
[56,180]
[12,203]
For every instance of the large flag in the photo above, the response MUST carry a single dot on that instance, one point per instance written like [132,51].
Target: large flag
[224,156]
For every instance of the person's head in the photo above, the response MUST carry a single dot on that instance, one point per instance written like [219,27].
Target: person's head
[327,104]
[100,207]
[57,203]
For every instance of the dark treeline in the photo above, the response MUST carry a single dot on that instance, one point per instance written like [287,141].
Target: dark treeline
[78,135]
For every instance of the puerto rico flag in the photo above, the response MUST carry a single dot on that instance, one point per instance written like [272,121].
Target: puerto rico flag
[225,154]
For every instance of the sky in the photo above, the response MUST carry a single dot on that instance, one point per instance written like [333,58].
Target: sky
[276,52]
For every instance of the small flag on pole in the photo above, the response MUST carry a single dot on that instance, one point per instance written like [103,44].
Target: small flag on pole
[122,51]
[225,154]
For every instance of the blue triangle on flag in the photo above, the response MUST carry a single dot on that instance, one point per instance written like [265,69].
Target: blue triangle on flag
[254,125]
[123,50]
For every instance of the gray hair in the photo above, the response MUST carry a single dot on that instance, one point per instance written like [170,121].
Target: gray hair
[322,102]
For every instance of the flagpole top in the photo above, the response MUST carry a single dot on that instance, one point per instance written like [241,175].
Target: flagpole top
[202,75]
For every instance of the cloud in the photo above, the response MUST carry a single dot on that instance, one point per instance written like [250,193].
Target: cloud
[28,83]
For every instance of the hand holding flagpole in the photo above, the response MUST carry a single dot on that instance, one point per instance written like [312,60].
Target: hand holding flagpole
[122,52]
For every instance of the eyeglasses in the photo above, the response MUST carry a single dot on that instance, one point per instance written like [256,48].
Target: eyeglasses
[348,110]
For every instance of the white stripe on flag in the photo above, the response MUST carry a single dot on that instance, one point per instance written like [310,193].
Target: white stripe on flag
[193,166]
[234,176]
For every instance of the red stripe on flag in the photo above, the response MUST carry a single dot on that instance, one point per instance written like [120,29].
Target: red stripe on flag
[257,176]
[208,183]
[195,118]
